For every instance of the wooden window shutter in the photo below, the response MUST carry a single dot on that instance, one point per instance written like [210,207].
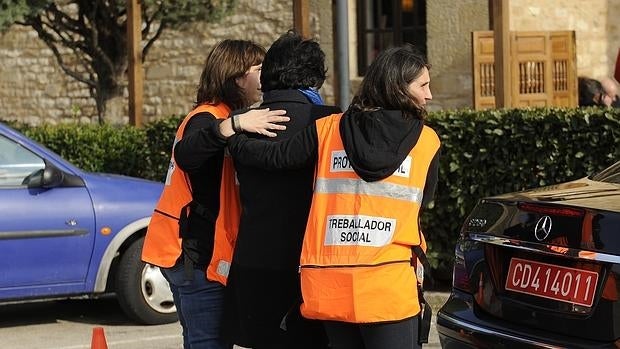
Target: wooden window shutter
[543,70]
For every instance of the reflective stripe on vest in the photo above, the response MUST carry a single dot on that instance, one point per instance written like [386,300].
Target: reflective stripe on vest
[361,187]
[162,243]
[356,255]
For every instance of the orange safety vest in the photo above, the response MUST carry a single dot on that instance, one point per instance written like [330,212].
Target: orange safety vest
[356,259]
[162,243]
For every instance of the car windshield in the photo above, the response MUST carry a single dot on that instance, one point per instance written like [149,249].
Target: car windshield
[609,175]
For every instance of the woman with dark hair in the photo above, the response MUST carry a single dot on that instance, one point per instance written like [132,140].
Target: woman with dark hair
[264,280]
[376,166]
[199,205]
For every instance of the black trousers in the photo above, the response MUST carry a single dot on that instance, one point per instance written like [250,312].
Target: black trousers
[256,301]
[393,335]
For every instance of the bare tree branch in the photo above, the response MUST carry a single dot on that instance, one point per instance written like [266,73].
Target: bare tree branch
[50,42]
[150,42]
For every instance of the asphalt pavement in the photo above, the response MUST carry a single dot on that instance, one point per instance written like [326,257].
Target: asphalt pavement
[436,300]
[69,324]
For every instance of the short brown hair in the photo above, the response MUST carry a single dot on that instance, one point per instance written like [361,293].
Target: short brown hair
[227,61]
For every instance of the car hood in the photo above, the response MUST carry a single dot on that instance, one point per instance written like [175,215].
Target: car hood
[582,193]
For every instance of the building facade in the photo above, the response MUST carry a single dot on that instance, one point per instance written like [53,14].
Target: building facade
[35,90]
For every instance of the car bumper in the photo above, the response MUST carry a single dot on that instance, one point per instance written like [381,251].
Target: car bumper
[459,327]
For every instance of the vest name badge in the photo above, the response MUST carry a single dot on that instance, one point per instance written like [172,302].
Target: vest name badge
[404,170]
[340,162]
[359,230]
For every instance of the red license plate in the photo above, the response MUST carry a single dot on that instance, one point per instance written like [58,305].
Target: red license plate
[552,281]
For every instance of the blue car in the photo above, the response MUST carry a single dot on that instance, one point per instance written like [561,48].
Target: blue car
[69,233]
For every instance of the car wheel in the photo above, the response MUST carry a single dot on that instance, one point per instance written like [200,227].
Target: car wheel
[142,290]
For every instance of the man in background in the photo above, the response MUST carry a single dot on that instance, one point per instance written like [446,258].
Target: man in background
[611,98]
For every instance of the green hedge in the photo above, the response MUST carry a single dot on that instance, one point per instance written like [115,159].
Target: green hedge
[160,137]
[97,148]
[483,153]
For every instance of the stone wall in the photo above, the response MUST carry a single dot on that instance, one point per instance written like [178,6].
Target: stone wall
[449,25]
[32,86]
[34,89]
[595,22]
[321,13]
[172,69]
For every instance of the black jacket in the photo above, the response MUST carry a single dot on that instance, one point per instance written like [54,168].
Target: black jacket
[275,204]
[376,143]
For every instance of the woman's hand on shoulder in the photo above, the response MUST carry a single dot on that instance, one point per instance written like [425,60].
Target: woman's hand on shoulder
[259,121]
[262,121]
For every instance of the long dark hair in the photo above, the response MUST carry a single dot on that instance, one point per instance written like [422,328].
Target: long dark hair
[227,61]
[386,83]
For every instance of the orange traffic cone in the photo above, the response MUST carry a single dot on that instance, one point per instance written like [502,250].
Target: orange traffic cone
[98,341]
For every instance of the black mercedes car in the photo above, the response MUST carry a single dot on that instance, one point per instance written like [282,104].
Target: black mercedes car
[539,269]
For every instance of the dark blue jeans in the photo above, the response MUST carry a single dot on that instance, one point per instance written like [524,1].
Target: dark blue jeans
[200,305]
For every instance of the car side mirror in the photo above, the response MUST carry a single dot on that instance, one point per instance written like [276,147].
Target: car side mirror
[48,177]
[52,176]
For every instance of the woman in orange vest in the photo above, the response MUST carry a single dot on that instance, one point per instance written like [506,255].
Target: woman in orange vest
[199,206]
[376,166]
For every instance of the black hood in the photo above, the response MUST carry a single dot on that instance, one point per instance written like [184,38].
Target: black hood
[377,142]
